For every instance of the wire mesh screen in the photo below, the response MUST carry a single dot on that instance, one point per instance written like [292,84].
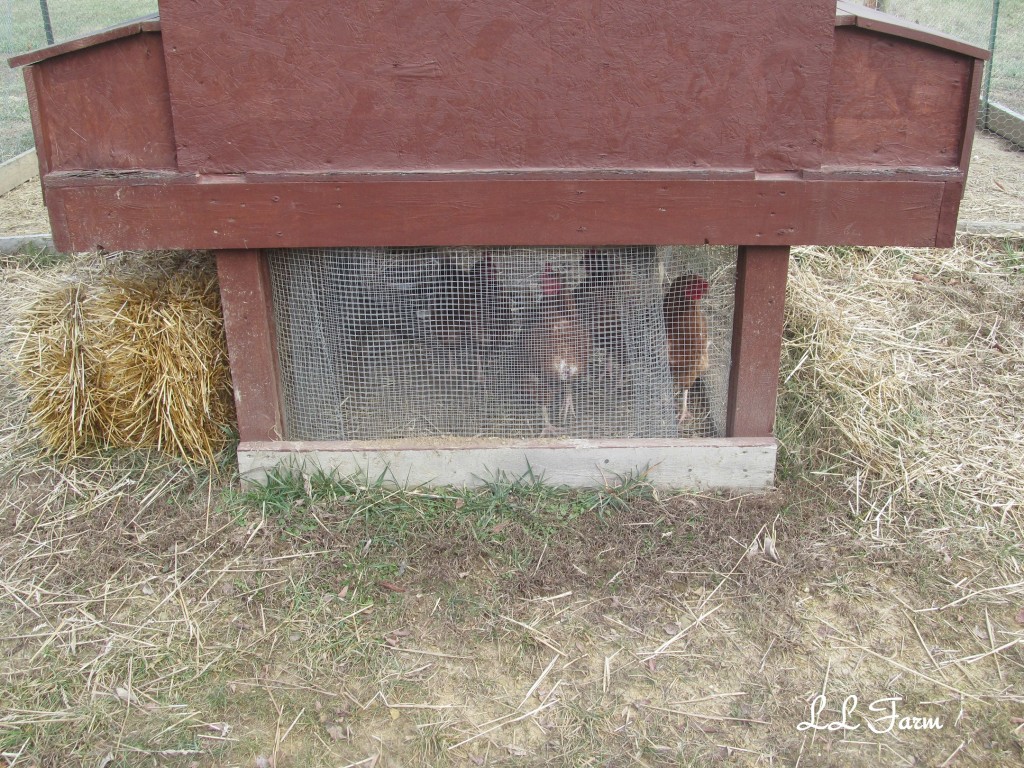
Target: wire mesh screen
[378,344]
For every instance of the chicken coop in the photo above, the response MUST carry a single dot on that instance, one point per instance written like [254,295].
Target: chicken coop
[463,240]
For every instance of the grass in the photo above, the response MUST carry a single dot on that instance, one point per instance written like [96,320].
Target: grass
[158,614]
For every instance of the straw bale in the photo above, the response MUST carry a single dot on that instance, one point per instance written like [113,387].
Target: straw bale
[56,365]
[129,352]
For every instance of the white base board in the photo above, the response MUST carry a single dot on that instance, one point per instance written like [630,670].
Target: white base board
[727,463]
[18,170]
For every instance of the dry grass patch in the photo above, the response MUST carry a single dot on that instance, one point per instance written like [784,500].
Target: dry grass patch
[322,623]
[995,184]
[22,211]
[904,367]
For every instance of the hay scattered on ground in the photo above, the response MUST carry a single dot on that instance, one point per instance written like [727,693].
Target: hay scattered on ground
[127,351]
[905,367]
[995,182]
[22,211]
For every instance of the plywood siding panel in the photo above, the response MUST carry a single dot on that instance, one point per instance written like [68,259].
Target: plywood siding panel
[107,107]
[295,85]
[894,102]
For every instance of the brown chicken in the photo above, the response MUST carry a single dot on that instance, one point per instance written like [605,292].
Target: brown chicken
[686,330]
[557,350]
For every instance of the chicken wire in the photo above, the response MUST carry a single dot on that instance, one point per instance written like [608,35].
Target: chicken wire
[386,343]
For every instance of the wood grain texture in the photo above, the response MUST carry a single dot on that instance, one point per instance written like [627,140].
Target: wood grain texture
[35,110]
[316,85]
[105,107]
[897,103]
[972,103]
[233,213]
[249,327]
[757,340]
[741,464]
[945,234]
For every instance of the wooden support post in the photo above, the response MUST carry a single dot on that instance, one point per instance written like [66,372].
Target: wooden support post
[249,326]
[757,340]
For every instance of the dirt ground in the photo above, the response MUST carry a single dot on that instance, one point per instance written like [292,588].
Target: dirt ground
[153,614]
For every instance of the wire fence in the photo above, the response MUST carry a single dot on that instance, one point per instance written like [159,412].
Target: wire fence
[994,24]
[631,342]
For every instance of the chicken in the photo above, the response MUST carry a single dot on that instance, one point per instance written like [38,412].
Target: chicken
[497,313]
[686,331]
[598,299]
[454,315]
[557,350]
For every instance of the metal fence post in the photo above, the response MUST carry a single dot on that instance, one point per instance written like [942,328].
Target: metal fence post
[47,27]
[988,68]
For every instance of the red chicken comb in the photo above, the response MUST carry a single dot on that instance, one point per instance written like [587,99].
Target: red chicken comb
[695,287]
[550,283]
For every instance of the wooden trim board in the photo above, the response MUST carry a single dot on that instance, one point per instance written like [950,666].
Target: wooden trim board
[18,170]
[856,14]
[126,212]
[17,243]
[733,463]
[761,273]
[148,23]
[249,328]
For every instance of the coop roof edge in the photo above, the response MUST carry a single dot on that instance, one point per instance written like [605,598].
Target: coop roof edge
[847,14]
[862,17]
[148,23]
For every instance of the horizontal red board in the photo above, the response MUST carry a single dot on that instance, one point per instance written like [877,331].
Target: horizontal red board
[179,211]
